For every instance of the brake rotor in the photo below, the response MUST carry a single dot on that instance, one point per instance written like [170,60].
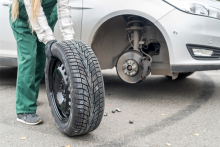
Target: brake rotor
[128,66]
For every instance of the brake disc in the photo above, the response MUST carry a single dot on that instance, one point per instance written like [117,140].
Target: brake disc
[128,66]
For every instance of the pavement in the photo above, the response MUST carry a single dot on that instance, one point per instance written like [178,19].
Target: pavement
[179,113]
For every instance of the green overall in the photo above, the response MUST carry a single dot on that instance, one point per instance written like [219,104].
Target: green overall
[30,56]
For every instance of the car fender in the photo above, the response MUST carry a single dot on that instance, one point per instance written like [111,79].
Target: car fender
[88,33]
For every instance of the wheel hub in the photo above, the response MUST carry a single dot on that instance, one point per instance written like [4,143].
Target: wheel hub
[130,68]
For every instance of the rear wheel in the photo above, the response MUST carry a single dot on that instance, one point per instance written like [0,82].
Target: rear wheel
[75,87]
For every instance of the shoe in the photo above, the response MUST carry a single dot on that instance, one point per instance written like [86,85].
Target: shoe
[29,118]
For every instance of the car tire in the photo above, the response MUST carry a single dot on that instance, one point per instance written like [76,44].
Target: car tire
[182,75]
[75,87]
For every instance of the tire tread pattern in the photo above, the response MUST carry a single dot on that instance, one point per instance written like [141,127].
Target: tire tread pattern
[87,88]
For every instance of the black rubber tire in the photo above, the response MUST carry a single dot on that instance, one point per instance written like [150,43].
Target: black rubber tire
[86,87]
[182,75]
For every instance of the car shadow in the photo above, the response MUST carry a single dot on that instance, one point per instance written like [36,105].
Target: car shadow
[153,85]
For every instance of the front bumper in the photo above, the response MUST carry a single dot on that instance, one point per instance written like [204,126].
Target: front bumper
[180,29]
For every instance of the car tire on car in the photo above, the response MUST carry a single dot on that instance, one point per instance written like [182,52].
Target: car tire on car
[182,75]
[75,87]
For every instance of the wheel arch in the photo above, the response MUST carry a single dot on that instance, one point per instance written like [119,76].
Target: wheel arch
[106,18]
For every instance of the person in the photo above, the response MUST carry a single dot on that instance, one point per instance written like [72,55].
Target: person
[32,23]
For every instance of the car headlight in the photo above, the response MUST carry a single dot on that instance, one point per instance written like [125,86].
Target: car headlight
[195,8]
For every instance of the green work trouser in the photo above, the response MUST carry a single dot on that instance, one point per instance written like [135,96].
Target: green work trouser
[31,63]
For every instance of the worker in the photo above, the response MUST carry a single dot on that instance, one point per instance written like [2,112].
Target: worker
[32,22]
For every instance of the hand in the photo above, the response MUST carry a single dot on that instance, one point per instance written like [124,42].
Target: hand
[48,48]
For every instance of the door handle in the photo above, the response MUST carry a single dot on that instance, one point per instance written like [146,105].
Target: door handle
[78,4]
[6,2]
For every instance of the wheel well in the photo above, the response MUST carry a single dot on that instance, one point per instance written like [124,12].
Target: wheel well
[110,42]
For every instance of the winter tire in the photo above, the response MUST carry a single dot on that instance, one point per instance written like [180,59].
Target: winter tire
[75,87]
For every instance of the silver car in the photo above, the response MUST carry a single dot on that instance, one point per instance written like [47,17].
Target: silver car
[159,37]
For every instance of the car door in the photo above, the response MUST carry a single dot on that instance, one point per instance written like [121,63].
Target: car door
[76,14]
[7,41]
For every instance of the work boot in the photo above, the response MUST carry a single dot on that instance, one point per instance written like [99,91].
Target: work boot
[29,118]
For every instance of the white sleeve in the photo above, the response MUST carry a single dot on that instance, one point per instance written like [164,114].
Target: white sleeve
[65,20]
[41,27]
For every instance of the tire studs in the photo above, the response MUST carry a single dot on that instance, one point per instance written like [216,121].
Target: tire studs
[113,111]
[105,114]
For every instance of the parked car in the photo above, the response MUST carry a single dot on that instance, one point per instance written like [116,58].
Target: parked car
[158,37]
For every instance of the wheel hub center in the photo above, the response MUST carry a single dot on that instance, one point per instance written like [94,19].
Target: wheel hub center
[130,68]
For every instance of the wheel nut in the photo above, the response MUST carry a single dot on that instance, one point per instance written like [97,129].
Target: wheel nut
[117,109]
[131,121]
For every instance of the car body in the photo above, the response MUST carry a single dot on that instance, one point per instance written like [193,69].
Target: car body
[102,25]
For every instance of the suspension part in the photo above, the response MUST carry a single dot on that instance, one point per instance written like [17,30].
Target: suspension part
[135,27]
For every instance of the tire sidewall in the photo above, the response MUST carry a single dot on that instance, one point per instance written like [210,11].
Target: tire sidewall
[57,51]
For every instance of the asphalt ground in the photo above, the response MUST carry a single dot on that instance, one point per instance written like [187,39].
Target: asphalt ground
[190,108]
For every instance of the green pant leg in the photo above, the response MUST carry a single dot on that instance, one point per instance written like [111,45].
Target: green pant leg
[25,86]
[40,65]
